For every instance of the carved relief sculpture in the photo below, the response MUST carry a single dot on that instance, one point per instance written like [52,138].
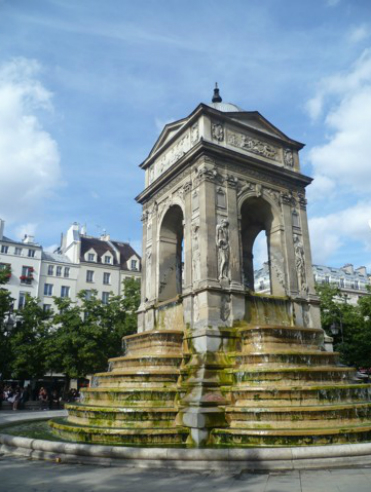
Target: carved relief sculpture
[194,134]
[148,273]
[217,132]
[225,307]
[254,145]
[222,242]
[196,255]
[300,264]
[288,158]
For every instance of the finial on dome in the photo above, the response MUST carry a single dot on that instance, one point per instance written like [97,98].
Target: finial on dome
[216,97]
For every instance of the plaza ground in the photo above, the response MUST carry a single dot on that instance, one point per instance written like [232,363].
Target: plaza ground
[22,475]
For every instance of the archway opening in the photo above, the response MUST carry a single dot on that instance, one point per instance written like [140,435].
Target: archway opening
[256,223]
[262,283]
[171,254]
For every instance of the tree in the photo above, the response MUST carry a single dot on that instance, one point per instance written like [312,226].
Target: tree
[349,325]
[89,332]
[28,340]
[6,306]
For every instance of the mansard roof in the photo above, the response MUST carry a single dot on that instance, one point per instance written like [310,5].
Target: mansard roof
[102,247]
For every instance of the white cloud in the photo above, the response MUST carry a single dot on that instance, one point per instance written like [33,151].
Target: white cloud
[332,3]
[23,230]
[344,160]
[260,250]
[329,233]
[29,157]
[359,33]
[51,248]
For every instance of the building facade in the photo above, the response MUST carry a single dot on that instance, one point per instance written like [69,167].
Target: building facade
[351,281]
[82,262]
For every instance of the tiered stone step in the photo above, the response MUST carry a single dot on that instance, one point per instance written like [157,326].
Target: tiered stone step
[250,396]
[357,432]
[134,401]
[161,396]
[285,390]
[123,437]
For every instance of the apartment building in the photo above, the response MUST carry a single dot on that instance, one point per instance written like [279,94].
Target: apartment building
[82,262]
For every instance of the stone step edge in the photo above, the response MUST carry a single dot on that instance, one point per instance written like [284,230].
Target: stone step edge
[72,427]
[295,408]
[317,387]
[352,429]
[96,408]
[291,369]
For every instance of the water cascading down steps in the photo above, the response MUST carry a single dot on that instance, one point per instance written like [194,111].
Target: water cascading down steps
[280,388]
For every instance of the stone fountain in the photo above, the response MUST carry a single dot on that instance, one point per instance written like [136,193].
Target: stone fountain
[214,364]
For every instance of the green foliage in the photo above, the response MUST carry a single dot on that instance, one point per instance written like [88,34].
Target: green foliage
[87,333]
[28,341]
[76,340]
[6,303]
[5,274]
[353,323]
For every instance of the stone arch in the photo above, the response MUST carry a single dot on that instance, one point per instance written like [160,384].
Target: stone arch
[260,213]
[170,246]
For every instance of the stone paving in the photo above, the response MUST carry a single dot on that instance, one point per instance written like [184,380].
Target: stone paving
[21,475]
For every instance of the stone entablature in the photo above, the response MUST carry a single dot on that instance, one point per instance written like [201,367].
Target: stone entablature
[250,134]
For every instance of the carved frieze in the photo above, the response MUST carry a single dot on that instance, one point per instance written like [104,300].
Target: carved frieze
[180,147]
[254,145]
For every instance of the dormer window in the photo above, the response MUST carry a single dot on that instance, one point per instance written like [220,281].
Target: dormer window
[91,257]
[108,259]
[133,265]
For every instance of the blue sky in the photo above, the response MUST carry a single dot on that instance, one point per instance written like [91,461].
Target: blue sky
[86,86]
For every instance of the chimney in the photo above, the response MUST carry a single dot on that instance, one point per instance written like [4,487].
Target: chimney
[348,268]
[2,224]
[362,270]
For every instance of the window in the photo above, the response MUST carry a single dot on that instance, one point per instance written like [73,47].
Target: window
[342,283]
[48,289]
[17,251]
[66,272]
[106,278]
[31,253]
[107,259]
[59,271]
[50,270]
[91,257]
[4,249]
[21,300]
[356,285]
[47,308]
[105,297]
[327,279]
[89,276]
[88,295]
[133,264]
[27,275]
[65,291]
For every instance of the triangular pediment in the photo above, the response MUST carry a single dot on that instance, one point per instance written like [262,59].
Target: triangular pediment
[255,121]
[167,134]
